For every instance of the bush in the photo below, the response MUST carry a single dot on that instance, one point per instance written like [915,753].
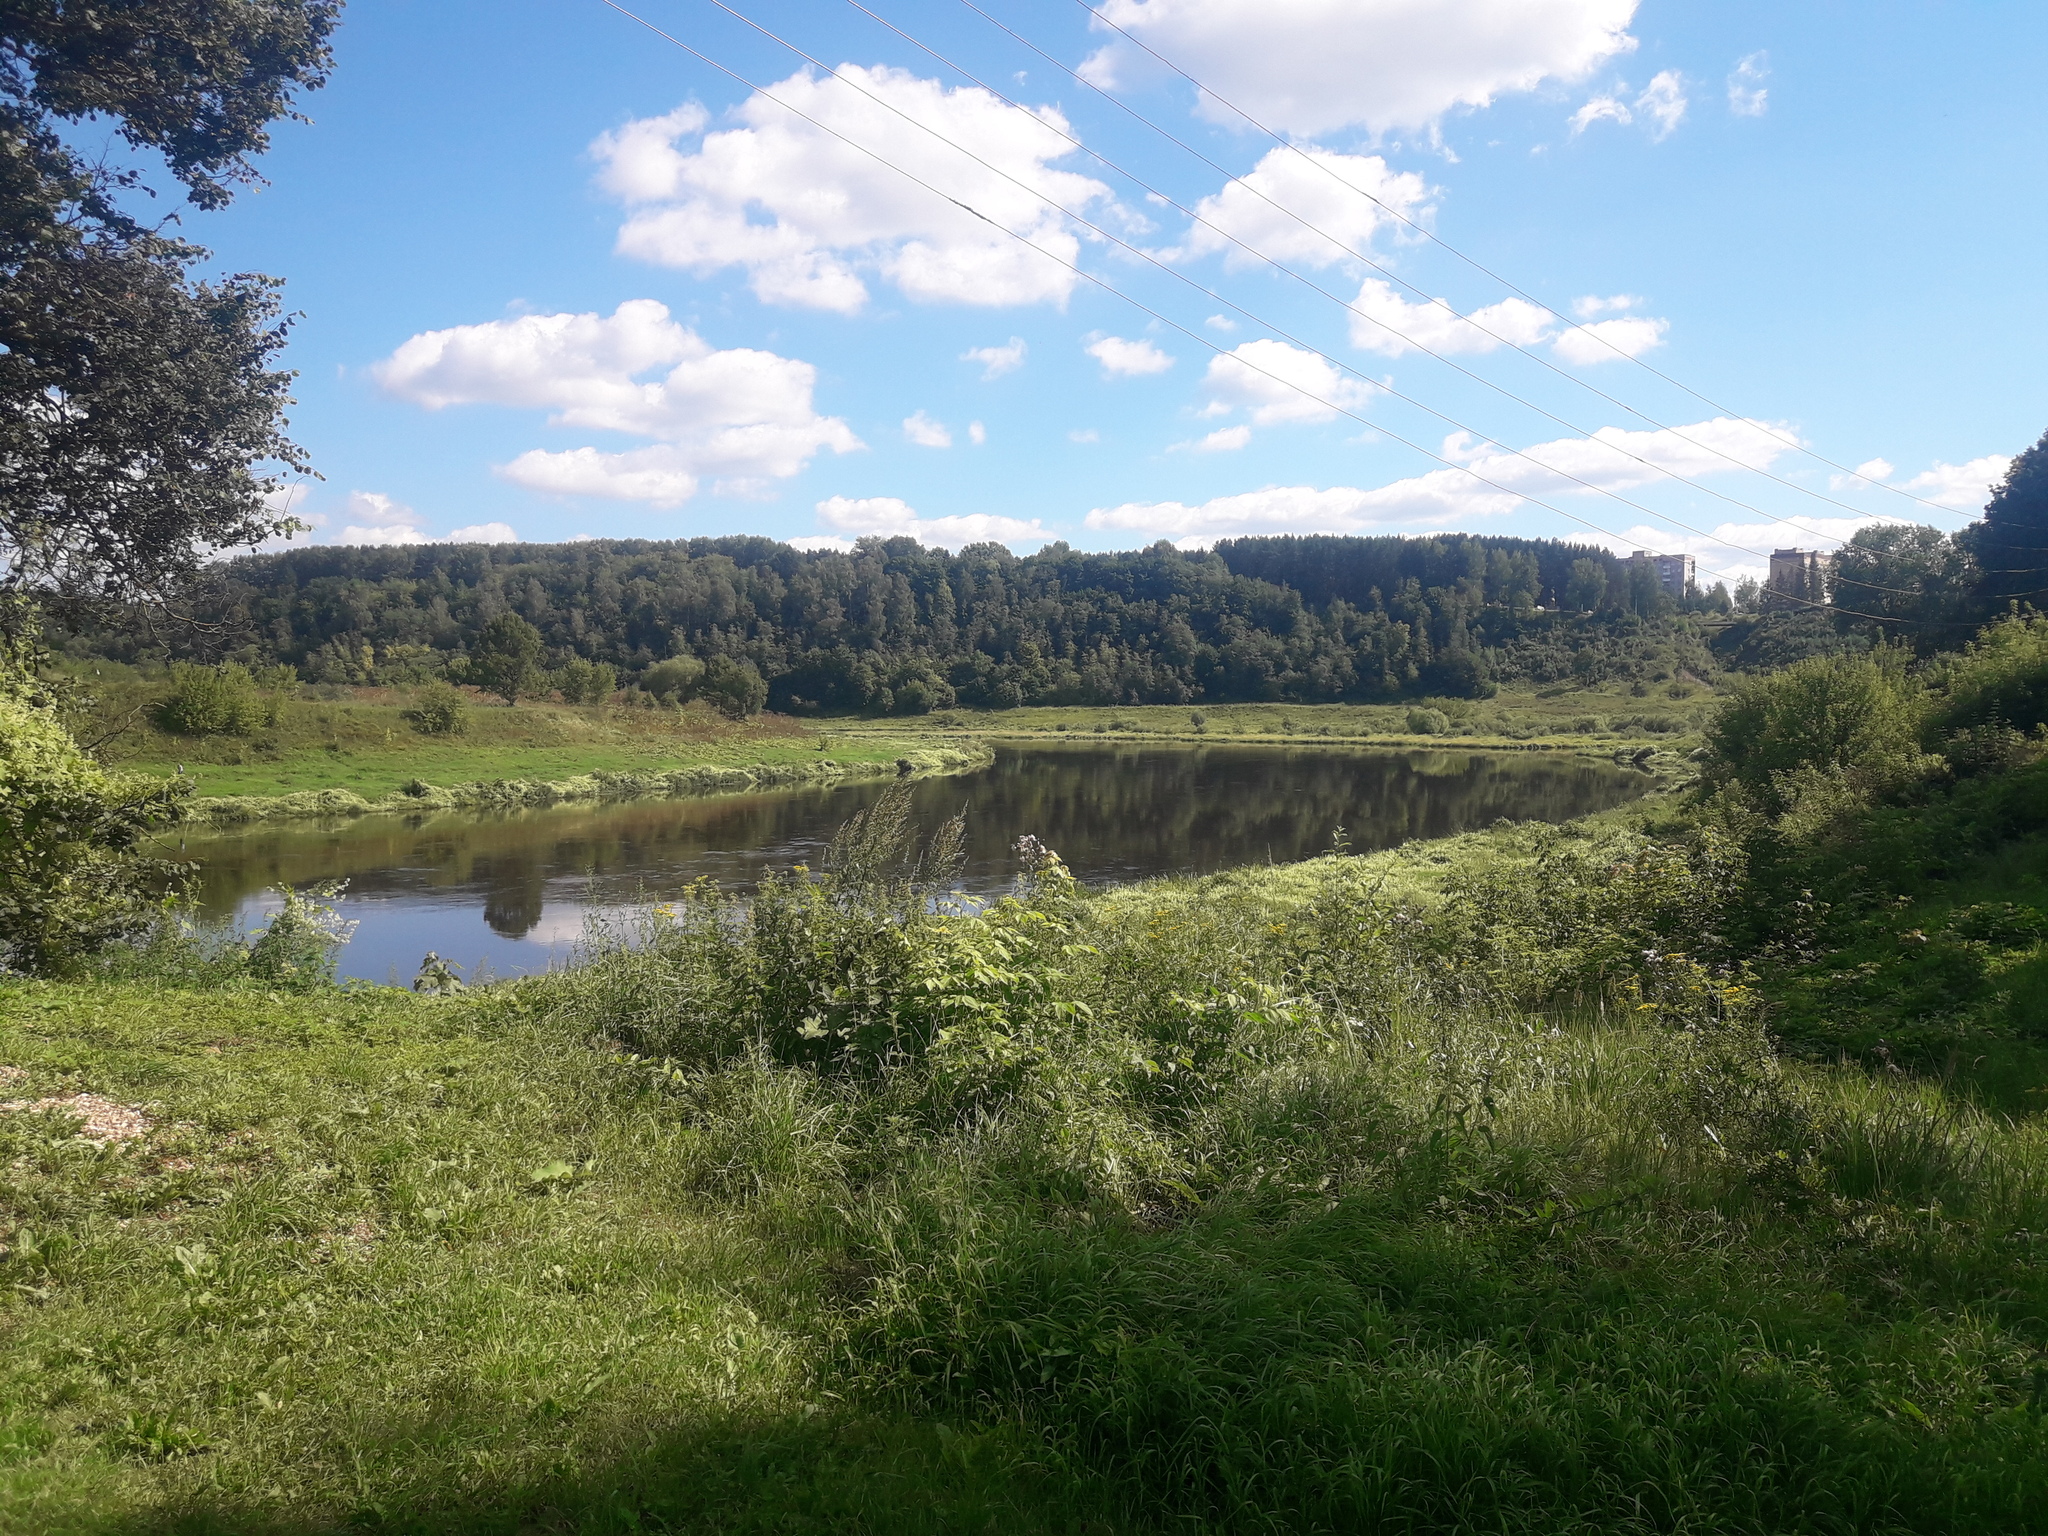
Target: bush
[296,951]
[735,687]
[1855,717]
[587,682]
[438,710]
[2000,680]
[71,878]
[673,680]
[213,701]
[1428,722]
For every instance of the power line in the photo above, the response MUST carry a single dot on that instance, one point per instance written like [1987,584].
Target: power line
[1432,236]
[1211,293]
[1146,309]
[1339,300]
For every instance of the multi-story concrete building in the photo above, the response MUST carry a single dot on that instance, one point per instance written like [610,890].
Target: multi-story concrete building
[1798,579]
[1674,572]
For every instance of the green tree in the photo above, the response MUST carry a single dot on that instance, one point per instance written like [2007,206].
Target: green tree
[1920,575]
[736,687]
[1833,714]
[136,405]
[506,658]
[2011,543]
[1587,587]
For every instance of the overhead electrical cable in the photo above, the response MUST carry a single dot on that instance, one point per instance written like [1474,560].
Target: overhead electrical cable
[1175,325]
[1215,297]
[1477,266]
[1345,304]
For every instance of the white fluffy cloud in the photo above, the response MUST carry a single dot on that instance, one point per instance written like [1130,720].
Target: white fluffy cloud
[1747,94]
[483,533]
[920,429]
[742,415]
[1608,341]
[1337,199]
[1307,67]
[1403,326]
[1960,487]
[1443,498]
[1123,359]
[376,519]
[1274,382]
[855,517]
[997,361]
[1661,106]
[807,215]
[1383,321]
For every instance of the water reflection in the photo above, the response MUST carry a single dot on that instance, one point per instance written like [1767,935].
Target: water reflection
[511,889]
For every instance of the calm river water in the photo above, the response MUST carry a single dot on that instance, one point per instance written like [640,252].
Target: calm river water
[509,891]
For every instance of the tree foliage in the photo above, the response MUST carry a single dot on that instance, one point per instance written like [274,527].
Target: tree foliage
[73,873]
[2011,544]
[141,419]
[894,628]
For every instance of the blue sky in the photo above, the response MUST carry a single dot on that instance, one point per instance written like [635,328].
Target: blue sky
[560,278]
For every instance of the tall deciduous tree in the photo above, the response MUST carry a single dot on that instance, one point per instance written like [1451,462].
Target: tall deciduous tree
[2011,544]
[141,417]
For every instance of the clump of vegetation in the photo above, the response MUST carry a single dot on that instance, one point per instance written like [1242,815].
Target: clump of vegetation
[74,872]
[214,701]
[1424,721]
[586,682]
[438,710]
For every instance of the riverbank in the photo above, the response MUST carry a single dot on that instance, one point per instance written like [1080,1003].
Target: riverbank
[417,796]
[1253,1209]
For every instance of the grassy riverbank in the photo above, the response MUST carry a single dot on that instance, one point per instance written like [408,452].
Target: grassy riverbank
[1604,719]
[359,741]
[1435,1189]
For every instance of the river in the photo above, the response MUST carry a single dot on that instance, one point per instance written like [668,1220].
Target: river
[503,893]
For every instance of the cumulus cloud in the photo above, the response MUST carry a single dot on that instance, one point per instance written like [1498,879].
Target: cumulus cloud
[1222,440]
[1385,322]
[856,517]
[376,519]
[742,415]
[1123,359]
[1747,94]
[1661,107]
[1608,341]
[1308,67]
[810,218]
[1870,469]
[997,361]
[1960,487]
[1443,498]
[1328,198]
[1084,435]
[977,434]
[1274,382]
[483,533]
[926,433]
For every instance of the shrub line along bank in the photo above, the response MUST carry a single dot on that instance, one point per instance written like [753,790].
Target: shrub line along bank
[509,794]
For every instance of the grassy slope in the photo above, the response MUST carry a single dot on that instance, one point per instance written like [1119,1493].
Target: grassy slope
[360,742]
[357,739]
[442,1264]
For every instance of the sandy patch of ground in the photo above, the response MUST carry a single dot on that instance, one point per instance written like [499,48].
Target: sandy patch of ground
[104,1120]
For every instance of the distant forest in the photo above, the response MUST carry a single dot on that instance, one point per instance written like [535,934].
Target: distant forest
[896,628]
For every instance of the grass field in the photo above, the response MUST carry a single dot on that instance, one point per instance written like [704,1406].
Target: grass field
[1252,1215]
[357,739]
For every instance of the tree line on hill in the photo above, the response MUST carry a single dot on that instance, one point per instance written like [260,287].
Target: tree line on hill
[894,627]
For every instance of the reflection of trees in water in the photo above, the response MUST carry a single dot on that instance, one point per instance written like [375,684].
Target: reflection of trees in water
[513,890]
[1116,811]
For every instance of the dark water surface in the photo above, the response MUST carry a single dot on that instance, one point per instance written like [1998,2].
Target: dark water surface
[510,890]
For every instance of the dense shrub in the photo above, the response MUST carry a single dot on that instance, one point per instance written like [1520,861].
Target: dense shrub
[673,680]
[584,682]
[735,687]
[2000,680]
[214,701]
[1428,722]
[73,878]
[1851,718]
[438,710]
